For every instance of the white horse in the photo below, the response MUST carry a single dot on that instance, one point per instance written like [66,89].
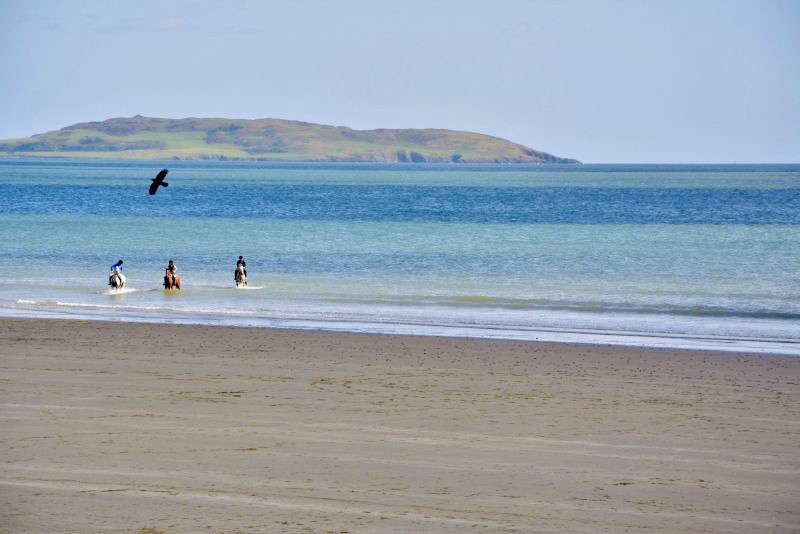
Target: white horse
[116,279]
[239,276]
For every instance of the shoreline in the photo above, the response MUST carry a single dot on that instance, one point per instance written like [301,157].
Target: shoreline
[5,156]
[189,427]
[398,326]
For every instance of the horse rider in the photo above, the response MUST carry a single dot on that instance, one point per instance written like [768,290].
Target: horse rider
[116,270]
[171,279]
[241,262]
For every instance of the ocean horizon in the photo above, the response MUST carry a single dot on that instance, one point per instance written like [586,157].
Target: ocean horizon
[687,256]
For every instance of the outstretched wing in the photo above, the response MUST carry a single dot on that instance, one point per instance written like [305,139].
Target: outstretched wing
[161,175]
[153,187]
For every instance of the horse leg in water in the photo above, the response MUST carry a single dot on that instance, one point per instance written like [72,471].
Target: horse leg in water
[172,281]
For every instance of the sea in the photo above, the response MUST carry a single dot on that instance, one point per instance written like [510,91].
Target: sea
[681,256]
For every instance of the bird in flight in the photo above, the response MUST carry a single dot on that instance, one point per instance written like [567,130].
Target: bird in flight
[158,180]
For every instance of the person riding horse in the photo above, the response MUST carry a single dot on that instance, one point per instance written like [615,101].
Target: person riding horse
[240,274]
[171,278]
[116,279]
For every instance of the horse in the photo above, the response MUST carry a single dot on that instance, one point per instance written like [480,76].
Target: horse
[171,281]
[116,279]
[239,276]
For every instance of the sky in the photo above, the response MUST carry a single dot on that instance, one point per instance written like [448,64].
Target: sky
[638,81]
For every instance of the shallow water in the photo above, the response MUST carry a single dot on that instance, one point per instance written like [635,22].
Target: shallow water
[624,254]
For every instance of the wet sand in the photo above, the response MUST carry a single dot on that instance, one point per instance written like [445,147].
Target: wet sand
[175,428]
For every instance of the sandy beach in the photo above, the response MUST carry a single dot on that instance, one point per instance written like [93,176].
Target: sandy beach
[142,428]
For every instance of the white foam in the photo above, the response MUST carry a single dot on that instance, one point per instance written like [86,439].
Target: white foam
[122,291]
[307,320]
[206,305]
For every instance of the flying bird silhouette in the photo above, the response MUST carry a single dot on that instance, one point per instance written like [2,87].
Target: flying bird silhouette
[158,180]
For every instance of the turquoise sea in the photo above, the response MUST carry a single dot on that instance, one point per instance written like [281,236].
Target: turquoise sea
[654,255]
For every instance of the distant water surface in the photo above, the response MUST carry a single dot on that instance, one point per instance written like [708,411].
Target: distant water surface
[677,255]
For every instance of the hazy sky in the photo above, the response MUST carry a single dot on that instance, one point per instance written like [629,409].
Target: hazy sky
[600,81]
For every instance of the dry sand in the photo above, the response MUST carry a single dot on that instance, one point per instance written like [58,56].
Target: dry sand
[143,428]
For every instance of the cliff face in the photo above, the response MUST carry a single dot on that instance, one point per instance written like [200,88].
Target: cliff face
[269,139]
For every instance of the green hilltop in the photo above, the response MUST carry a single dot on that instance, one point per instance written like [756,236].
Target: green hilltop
[268,139]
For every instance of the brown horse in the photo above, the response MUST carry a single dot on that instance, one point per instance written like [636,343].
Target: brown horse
[171,281]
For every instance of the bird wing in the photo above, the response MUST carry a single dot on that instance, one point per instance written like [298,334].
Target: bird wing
[153,187]
[161,175]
